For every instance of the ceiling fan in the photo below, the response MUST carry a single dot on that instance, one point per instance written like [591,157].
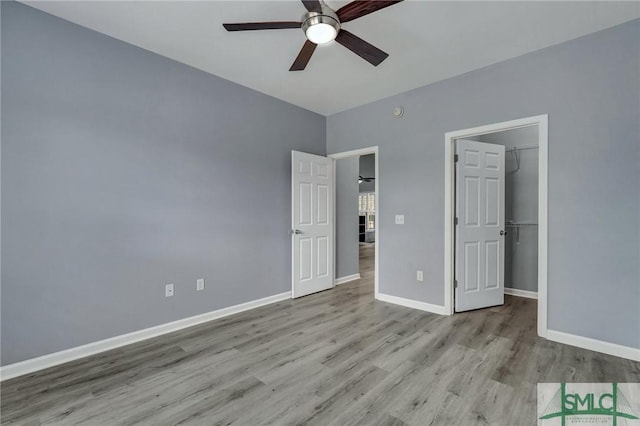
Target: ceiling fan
[321,24]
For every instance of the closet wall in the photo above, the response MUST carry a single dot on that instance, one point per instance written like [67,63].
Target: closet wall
[521,205]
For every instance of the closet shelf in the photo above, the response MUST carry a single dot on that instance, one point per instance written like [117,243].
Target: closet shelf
[518,224]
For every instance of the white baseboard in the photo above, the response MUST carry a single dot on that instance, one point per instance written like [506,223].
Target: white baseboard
[29,366]
[521,293]
[594,345]
[422,306]
[346,279]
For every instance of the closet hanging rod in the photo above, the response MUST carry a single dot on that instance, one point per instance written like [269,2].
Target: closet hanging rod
[520,148]
[515,224]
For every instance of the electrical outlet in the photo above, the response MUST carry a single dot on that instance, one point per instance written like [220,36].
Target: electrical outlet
[168,290]
[200,284]
[420,276]
[399,219]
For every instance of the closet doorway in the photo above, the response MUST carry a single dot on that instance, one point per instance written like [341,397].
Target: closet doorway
[496,215]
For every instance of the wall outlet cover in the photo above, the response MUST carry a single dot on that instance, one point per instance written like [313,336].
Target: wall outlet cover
[399,219]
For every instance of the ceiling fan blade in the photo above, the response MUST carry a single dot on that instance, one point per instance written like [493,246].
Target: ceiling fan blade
[366,51]
[250,26]
[312,5]
[359,8]
[303,57]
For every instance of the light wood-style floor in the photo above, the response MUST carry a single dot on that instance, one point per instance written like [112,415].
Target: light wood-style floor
[337,357]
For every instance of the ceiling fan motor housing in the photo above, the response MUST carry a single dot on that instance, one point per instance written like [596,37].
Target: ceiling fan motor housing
[325,16]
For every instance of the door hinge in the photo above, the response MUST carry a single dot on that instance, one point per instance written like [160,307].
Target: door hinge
[455,221]
[455,283]
[455,158]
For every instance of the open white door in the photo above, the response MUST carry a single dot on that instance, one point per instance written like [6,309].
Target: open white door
[312,223]
[479,270]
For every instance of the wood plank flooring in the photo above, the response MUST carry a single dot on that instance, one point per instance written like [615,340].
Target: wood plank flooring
[337,357]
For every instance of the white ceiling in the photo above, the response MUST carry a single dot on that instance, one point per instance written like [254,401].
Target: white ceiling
[427,41]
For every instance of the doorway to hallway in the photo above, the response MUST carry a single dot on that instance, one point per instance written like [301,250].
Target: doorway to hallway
[356,216]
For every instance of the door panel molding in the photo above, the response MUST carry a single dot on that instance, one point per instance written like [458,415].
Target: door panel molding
[311,223]
[480,254]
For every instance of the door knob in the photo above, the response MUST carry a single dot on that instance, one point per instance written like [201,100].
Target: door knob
[295,231]
[503,232]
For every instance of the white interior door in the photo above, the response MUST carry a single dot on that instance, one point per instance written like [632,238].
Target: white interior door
[480,228]
[312,223]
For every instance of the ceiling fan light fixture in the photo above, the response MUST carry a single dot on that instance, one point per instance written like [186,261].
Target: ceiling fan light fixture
[321,33]
[321,27]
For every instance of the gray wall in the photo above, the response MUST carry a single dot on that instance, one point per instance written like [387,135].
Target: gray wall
[347,256]
[591,91]
[123,171]
[0,183]
[521,206]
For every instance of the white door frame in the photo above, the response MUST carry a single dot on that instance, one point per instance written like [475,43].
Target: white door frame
[351,154]
[541,121]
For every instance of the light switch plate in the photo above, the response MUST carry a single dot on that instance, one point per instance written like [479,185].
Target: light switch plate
[168,290]
[399,219]
[420,276]
[200,284]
